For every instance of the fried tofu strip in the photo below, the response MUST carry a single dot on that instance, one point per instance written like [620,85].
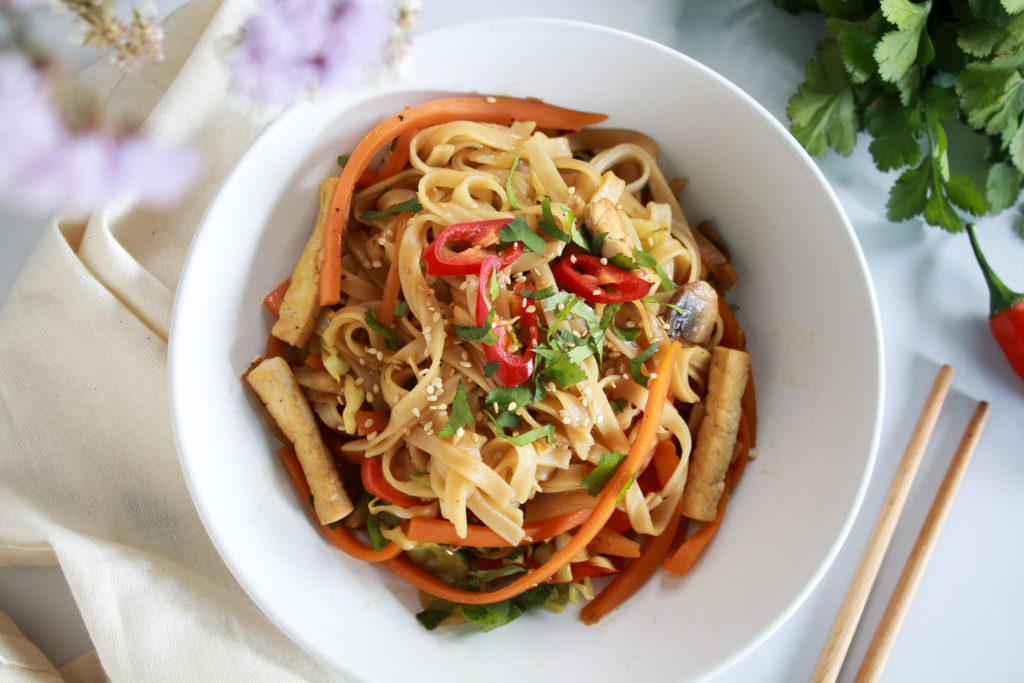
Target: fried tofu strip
[716,438]
[301,305]
[274,383]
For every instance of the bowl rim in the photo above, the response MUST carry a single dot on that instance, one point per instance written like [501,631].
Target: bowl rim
[176,362]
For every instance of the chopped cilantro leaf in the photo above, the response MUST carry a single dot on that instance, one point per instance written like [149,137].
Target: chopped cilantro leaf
[509,420]
[547,222]
[342,160]
[483,334]
[546,431]
[459,416]
[422,478]
[432,616]
[490,368]
[509,192]
[618,404]
[517,230]
[559,368]
[401,308]
[581,155]
[506,396]
[389,337]
[629,334]
[599,477]
[373,529]
[636,365]
[410,205]
[536,294]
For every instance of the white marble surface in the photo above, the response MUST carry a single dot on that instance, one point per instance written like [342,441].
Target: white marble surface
[964,623]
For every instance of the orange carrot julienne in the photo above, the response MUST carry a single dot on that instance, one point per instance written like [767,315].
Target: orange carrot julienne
[665,461]
[338,535]
[634,574]
[389,298]
[644,441]
[396,161]
[608,542]
[503,110]
[275,347]
[274,299]
[315,361]
[423,530]
[370,421]
[680,561]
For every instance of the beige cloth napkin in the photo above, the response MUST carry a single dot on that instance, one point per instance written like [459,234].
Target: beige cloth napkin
[89,477]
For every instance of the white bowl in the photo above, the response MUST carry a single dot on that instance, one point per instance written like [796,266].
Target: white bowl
[805,300]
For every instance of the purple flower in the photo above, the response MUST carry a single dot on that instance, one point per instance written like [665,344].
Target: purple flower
[292,46]
[45,165]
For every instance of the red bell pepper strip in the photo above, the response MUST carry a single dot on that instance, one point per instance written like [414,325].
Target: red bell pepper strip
[513,368]
[441,260]
[1006,311]
[585,276]
[374,481]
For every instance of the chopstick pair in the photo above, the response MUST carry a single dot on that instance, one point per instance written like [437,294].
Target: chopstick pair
[852,607]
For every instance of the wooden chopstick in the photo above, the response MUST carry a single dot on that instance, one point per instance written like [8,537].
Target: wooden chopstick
[896,610]
[852,607]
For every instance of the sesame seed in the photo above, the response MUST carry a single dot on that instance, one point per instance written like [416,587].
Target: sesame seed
[376,388]
[376,264]
[368,423]
[430,389]
[491,100]
[531,309]
[369,397]
[654,375]
[359,381]
[465,355]
[371,436]
[431,398]
[495,406]
[572,189]
[459,432]
[512,405]
[596,292]
[560,307]
[465,364]
[566,420]
[573,258]
[416,412]
[437,316]
[604,261]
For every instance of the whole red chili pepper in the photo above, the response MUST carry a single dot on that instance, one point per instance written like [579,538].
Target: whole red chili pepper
[441,260]
[513,367]
[586,277]
[1006,311]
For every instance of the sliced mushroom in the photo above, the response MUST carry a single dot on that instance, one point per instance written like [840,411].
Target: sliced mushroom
[697,312]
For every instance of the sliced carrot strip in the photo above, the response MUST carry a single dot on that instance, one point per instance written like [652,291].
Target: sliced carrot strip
[501,110]
[608,542]
[732,334]
[634,574]
[273,300]
[370,421]
[338,535]
[644,441]
[665,461]
[423,530]
[396,161]
[687,553]
[275,347]
[315,361]
[389,299]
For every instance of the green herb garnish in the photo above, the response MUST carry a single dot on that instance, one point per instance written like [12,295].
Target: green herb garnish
[409,205]
[459,416]
[636,365]
[599,477]
[512,201]
[517,230]
[389,337]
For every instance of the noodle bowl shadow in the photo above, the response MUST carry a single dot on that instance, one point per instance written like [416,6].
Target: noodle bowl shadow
[805,301]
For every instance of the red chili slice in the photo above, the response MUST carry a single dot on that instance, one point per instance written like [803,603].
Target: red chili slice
[442,260]
[514,367]
[601,283]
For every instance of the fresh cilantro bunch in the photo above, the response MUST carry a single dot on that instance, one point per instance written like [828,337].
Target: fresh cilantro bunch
[908,73]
